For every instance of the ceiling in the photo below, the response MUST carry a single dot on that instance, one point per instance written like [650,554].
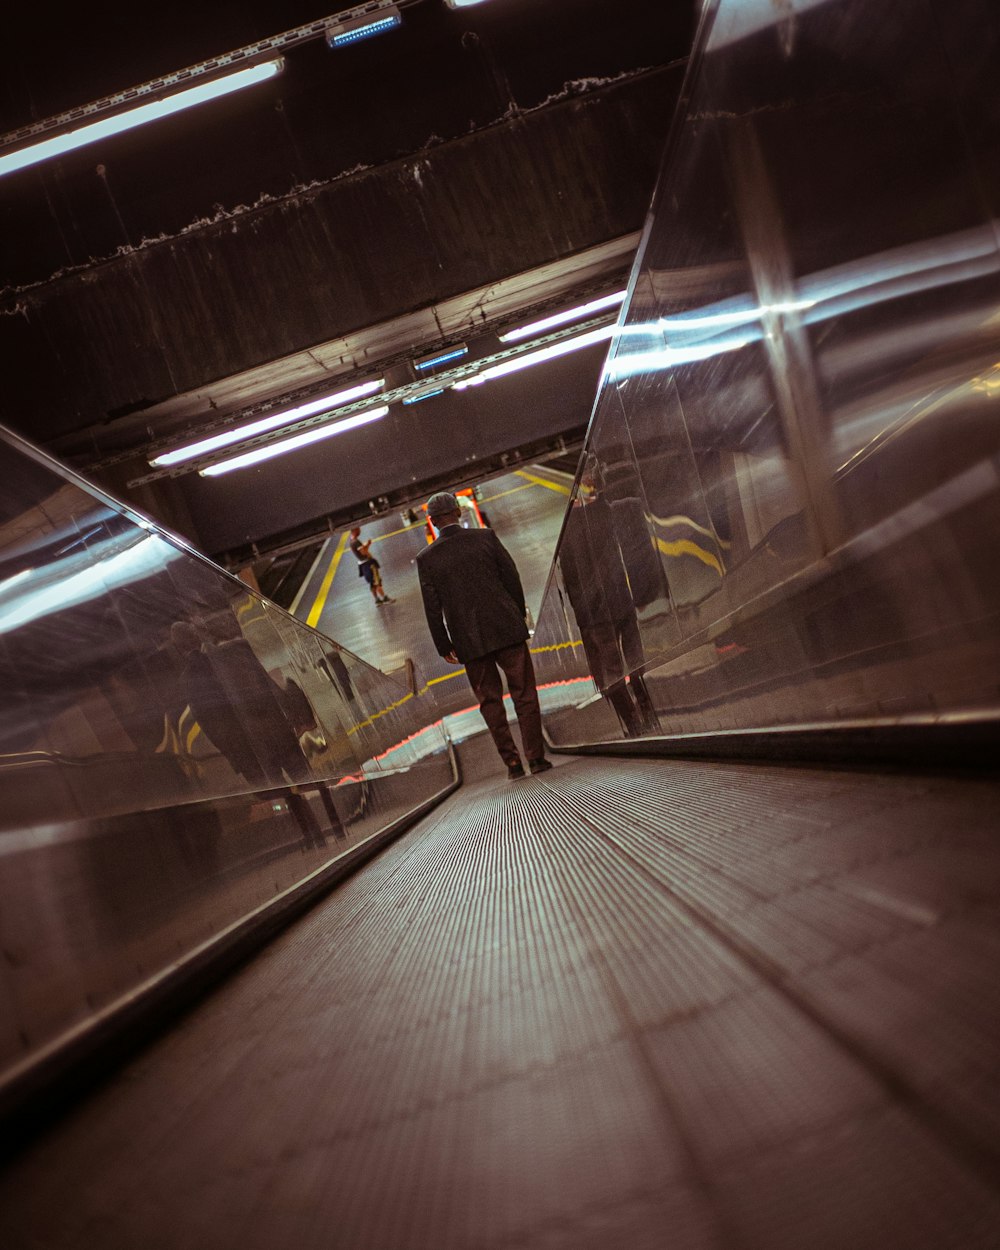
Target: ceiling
[432,186]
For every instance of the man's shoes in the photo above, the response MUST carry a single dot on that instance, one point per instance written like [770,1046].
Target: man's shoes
[515,769]
[386,599]
[540,766]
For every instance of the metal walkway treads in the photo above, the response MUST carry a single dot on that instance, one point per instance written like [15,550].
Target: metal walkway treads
[629,1003]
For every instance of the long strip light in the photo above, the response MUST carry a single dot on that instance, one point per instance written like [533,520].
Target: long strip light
[561,348]
[558,319]
[341,34]
[191,451]
[417,396]
[291,444]
[70,140]
[441,358]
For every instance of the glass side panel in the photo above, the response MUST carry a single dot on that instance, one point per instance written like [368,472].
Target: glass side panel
[175,751]
[800,396]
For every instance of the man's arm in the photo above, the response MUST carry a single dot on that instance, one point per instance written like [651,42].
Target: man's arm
[435,615]
[509,575]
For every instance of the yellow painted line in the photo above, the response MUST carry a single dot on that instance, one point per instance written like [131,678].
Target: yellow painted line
[444,677]
[540,481]
[407,529]
[503,494]
[316,611]
[557,646]
[685,547]
[554,646]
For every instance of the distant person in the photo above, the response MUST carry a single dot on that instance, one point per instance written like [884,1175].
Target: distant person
[476,611]
[368,567]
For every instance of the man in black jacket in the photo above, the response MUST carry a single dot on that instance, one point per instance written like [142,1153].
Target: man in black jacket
[476,613]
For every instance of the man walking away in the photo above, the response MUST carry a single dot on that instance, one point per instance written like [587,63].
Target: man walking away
[475,609]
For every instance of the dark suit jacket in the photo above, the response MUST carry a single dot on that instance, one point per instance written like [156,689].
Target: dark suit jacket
[472,593]
[591,563]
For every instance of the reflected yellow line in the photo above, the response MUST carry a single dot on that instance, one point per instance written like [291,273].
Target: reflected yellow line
[248,605]
[685,547]
[665,521]
[375,715]
[679,519]
[316,611]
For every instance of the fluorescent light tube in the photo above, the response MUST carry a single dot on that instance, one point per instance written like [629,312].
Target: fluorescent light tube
[419,395]
[340,34]
[291,444]
[441,357]
[536,358]
[70,140]
[191,451]
[558,319]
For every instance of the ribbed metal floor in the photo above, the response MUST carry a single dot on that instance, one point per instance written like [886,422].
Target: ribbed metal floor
[630,1003]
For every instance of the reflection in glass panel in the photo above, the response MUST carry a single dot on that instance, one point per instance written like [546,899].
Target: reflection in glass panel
[803,383]
[176,751]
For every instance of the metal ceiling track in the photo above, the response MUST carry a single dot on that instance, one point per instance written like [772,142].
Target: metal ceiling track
[204,69]
[446,378]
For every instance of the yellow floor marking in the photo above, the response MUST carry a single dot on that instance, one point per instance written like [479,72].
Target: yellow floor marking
[557,646]
[503,494]
[316,611]
[405,530]
[458,672]
[540,481]
[444,677]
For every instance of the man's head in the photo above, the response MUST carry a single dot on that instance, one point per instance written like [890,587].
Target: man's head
[356,531]
[443,508]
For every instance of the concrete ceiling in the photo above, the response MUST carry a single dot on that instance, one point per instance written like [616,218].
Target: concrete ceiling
[435,184]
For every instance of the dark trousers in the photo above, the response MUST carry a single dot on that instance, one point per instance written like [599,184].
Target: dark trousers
[614,651]
[484,677]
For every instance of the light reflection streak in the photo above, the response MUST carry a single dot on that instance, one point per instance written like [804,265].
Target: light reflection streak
[684,338]
[21,602]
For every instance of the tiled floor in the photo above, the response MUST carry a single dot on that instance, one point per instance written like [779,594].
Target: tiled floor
[630,1004]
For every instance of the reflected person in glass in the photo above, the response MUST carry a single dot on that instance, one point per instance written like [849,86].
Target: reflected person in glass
[594,570]
[240,708]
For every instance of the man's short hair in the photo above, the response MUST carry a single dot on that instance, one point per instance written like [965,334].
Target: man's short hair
[442,503]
